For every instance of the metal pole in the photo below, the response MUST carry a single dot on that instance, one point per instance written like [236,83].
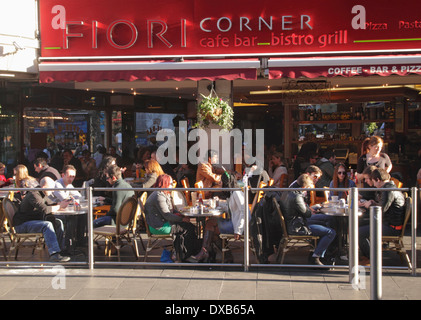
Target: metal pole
[376,253]
[414,195]
[90,229]
[246,227]
[353,239]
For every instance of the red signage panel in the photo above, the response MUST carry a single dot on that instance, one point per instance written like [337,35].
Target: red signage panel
[108,29]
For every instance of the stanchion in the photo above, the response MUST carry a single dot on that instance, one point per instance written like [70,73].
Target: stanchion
[90,229]
[353,239]
[246,227]
[414,195]
[375,253]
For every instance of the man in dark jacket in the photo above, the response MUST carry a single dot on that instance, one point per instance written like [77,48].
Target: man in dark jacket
[118,197]
[35,216]
[393,211]
[44,170]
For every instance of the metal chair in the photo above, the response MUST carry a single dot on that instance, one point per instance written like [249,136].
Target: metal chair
[395,243]
[3,234]
[123,230]
[18,239]
[287,239]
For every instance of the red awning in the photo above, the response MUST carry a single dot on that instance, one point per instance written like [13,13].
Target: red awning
[344,66]
[147,71]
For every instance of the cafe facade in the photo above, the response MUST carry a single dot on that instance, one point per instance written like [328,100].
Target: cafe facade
[329,74]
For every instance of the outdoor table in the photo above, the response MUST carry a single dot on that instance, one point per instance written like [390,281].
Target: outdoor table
[75,225]
[201,217]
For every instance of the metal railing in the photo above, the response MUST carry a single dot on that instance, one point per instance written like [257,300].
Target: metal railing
[353,231]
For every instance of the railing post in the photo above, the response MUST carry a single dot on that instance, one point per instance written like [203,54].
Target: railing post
[90,229]
[376,253]
[353,239]
[246,227]
[414,195]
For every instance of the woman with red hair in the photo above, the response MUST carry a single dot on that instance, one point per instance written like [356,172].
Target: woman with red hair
[163,218]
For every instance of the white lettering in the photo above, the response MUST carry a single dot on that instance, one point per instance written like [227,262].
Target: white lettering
[358,22]
[59,21]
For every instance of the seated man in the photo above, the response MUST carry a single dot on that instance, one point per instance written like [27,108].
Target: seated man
[66,180]
[34,216]
[393,211]
[44,170]
[297,207]
[118,196]
[207,173]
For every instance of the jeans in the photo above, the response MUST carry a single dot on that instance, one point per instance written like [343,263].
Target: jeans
[327,235]
[53,237]
[364,237]
[103,221]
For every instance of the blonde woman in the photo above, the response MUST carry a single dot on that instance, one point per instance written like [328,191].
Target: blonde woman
[23,179]
[153,171]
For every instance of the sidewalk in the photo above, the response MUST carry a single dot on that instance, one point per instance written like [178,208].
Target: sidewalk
[203,283]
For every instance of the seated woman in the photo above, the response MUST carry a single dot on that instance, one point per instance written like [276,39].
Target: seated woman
[153,171]
[277,169]
[23,180]
[100,180]
[161,217]
[234,225]
[340,180]
[298,208]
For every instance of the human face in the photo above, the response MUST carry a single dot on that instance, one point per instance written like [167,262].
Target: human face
[375,149]
[37,168]
[368,180]
[275,161]
[69,176]
[341,173]
[315,176]
[67,157]
[214,159]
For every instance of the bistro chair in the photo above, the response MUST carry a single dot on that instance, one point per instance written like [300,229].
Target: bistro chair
[287,239]
[199,185]
[397,182]
[185,184]
[18,239]
[284,181]
[3,234]
[153,239]
[123,230]
[140,226]
[395,243]
[258,196]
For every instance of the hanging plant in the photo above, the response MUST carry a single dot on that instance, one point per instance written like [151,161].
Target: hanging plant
[213,109]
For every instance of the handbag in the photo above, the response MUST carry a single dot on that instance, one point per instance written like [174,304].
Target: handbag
[298,227]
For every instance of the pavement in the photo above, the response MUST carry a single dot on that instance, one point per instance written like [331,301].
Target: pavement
[172,285]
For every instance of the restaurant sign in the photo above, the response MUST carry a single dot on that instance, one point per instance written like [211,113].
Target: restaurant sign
[107,29]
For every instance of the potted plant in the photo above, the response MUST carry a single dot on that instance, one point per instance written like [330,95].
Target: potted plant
[213,109]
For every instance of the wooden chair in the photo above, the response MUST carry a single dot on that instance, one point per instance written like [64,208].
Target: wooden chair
[3,232]
[284,181]
[185,184]
[287,239]
[270,183]
[18,239]
[316,200]
[395,243]
[123,230]
[153,239]
[140,225]
[258,196]
[199,185]
[397,182]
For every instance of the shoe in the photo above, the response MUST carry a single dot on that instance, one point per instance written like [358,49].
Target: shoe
[364,261]
[57,257]
[316,261]
[202,255]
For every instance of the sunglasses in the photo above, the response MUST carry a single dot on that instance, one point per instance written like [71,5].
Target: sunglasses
[342,172]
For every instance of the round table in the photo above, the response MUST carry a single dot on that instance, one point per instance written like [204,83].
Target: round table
[75,227]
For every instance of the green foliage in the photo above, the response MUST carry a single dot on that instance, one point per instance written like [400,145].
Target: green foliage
[213,109]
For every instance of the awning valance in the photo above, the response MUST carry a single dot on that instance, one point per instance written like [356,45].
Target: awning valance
[229,69]
[344,66]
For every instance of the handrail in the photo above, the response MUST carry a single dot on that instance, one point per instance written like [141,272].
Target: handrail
[246,263]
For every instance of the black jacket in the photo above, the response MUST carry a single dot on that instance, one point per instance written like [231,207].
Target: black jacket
[34,206]
[393,205]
